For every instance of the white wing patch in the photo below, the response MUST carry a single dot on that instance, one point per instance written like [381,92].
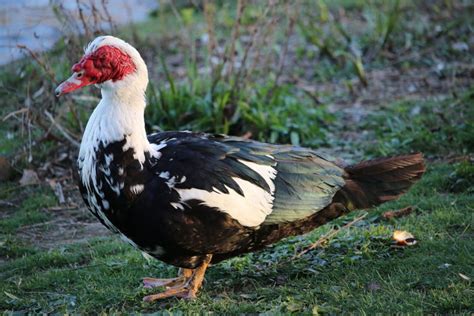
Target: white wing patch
[174,180]
[177,206]
[137,188]
[268,173]
[164,175]
[249,210]
[157,251]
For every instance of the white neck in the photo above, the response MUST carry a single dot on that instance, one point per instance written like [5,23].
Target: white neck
[118,116]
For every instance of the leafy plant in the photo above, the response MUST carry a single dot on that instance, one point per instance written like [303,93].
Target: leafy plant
[284,118]
[462,178]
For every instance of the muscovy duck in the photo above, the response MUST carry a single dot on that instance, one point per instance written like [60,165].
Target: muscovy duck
[193,199]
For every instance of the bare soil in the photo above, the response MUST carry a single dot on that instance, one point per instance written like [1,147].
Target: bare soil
[66,226]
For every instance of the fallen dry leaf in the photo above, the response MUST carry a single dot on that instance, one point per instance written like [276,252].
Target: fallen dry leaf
[398,213]
[247,135]
[58,190]
[14,297]
[29,177]
[465,277]
[403,238]
[5,169]
[373,286]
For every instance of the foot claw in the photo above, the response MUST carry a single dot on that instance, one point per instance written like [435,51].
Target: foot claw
[150,283]
[185,286]
[181,292]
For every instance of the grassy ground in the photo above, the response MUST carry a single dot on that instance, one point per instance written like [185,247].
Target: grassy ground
[357,271]
[57,258]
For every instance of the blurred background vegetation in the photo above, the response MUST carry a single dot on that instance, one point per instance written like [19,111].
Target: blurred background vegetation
[274,71]
[353,79]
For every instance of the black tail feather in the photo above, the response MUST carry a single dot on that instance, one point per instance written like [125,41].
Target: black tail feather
[373,182]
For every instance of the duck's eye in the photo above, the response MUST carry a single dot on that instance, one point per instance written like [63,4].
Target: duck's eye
[79,75]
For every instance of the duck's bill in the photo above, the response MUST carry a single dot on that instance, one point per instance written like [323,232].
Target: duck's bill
[76,81]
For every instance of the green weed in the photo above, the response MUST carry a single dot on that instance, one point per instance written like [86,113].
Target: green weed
[286,117]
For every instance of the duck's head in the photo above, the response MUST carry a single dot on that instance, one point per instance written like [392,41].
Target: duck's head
[110,63]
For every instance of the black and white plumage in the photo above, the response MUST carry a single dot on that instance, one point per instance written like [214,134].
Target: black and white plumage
[190,199]
[217,192]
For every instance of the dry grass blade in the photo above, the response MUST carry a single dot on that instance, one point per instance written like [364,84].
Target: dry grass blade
[83,20]
[6,117]
[112,25]
[209,11]
[62,130]
[398,213]
[259,33]
[47,69]
[184,30]
[235,34]
[293,17]
[333,232]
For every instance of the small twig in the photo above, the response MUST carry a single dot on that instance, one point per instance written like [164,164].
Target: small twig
[6,203]
[289,32]
[58,191]
[328,236]
[26,227]
[256,31]
[75,116]
[63,208]
[97,18]
[211,42]
[183,28]
[62,130]
[281,64]
[398,213]
[235,34]
[313,97]
[108,16]
[6,117]
[40,62]
[83,20]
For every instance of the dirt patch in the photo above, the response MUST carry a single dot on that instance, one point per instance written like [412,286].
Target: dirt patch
[66,226]
[391,84]
[68,222]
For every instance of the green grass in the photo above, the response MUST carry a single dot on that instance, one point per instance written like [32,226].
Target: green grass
[358,271]
[30,211]
[440,128]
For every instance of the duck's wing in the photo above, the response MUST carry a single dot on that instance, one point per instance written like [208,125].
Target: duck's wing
[255,183]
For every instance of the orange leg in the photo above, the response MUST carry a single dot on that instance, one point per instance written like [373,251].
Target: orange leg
[187,289]
[183,277]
